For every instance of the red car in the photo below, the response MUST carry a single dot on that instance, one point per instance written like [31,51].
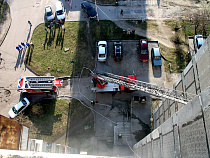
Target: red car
[144,53]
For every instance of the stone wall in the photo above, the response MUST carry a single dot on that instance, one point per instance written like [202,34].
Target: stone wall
[185,134]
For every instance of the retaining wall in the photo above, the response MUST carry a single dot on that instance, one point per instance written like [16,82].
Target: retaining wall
[185,134]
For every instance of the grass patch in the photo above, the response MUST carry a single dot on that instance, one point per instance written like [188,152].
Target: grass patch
[187,28]
[145,25]
[49,56]
[178,59]
[47,119]
[107,30]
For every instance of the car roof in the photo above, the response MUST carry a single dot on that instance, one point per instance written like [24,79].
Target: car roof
[18,105]
[156,51]
[87,5]
[200,41]
[101,50]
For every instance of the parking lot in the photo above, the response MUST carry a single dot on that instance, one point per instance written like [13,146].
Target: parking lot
[119,107]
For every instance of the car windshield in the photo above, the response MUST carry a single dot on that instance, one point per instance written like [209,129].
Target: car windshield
[143,51]
[14,110]
[102,55]
[102,45]
[117,49]
[49,13]
[157,58]
[199,36]
[24,102]
[91,10]
[59,12]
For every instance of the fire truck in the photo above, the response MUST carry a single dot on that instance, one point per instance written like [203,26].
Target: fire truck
[38,84]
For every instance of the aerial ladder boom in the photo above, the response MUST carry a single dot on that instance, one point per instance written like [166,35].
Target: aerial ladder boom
[152,89]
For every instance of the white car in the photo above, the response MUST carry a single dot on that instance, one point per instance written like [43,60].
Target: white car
[18,108]
[198,42]
[102,51]
[59,11]
[49,13]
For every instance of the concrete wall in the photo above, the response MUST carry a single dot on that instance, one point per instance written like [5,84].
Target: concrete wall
[41,146]
[185,134]
[194,79]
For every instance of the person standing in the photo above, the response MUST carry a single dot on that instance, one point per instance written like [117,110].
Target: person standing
[121,12]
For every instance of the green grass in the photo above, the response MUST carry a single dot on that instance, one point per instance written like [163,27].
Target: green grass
[48,55]
[47,119]
[145,25]
[178,58]
[187,28]
[107,30]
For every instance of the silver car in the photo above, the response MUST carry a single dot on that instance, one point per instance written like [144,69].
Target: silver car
[102,51]
[198,42]
[59,10]
[18,108]
[49,13]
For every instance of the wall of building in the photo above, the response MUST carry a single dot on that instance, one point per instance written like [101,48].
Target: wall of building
[185,134]
[194,79]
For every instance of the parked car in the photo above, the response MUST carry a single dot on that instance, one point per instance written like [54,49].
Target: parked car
[89,10]
[144,54]
[156,57]
[49,13]
[59,11]
[102,51]
[18,108]
[198,42]
[118,51]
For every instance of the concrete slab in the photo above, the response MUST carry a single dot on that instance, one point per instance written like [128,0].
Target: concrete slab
[155,134]
[189,112]
[167,126]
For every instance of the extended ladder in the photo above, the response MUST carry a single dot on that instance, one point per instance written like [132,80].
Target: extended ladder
[152,89]
[40,82]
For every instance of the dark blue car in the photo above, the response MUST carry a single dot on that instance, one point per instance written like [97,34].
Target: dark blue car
[89,10]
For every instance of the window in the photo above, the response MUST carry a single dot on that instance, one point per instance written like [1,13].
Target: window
[60,12]
[143,51]
[157,58]
[101,55]
[14,110]
[49,13]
